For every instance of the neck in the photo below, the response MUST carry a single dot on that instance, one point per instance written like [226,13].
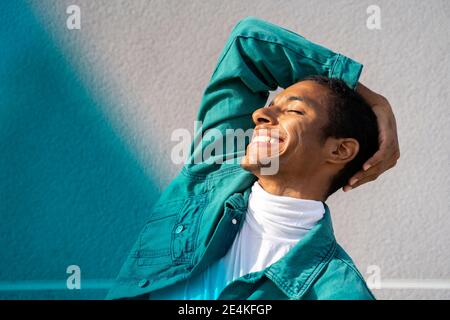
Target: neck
[308,189]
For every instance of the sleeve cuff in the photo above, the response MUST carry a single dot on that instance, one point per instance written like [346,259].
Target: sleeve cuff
[347,70]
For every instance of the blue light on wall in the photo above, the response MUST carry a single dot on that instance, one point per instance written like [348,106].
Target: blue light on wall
[71,193]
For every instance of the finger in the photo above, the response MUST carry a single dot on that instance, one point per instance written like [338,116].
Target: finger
[374,171]
[383,155]
[365,180]
[377,169]
[391,165]
[375,159]
[360,182]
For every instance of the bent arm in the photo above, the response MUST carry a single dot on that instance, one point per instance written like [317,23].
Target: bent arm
[258,57]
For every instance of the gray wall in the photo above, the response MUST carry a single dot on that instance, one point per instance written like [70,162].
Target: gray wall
[87,116]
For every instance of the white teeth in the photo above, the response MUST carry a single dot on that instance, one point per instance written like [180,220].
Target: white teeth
[265,139]
[261,139]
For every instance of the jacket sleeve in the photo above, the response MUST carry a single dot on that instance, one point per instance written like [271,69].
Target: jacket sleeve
[258,57]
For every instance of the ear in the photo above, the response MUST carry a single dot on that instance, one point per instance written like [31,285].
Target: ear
[342,150]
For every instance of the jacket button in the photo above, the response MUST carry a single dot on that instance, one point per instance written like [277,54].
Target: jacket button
[179,229]
[234,221]
[143,283]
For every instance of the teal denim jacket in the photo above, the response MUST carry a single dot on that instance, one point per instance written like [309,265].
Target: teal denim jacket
[194,221]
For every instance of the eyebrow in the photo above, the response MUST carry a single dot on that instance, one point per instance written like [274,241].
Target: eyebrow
[296,98]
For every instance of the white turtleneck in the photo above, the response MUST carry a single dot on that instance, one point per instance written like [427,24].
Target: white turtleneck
[272,226]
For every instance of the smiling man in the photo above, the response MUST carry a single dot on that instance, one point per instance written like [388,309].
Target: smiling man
[322,132]
[229,231]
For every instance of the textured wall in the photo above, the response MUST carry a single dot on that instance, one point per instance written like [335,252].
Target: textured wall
[86,117]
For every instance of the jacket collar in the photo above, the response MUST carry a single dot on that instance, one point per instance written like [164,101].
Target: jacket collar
[297,270]
[302,264]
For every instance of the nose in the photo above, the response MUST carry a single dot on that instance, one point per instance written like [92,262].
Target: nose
[264,116]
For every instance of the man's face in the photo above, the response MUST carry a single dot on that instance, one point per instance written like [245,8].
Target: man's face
[290,128]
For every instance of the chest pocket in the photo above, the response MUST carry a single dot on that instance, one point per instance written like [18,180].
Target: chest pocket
[170,235]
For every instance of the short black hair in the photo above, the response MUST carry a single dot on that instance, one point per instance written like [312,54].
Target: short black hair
[349,116]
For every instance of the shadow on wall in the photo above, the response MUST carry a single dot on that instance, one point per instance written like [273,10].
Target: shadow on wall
[71,193]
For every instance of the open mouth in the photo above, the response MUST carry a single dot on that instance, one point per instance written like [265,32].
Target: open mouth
[267,136]
[266,142]
[266,145]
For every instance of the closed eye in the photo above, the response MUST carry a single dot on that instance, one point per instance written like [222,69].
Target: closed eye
[297,111]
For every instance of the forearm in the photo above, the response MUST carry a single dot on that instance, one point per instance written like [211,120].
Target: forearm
[279,57]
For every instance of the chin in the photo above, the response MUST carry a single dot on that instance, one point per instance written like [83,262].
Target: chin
[266,166]
[252,167]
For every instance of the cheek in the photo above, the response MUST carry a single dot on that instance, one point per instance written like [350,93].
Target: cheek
[303,135]
[296,145]
[299,136]
[305,145]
